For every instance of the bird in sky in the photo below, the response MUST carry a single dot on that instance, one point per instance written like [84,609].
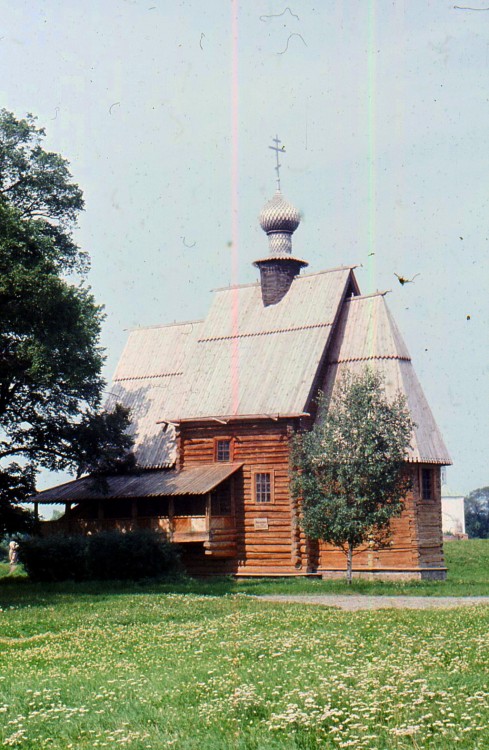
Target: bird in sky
[403,280]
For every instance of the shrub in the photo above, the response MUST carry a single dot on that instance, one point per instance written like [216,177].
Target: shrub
[105,556]
[4,550]
[130,556]
[55,558]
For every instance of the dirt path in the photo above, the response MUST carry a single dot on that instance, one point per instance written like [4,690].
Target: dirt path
[361,601]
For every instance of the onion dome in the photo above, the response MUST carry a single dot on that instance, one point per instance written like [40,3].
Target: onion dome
[279,219]
[279,216]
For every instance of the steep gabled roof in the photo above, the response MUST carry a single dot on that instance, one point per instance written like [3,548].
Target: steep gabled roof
[244,359]
[247,359]
[252,359]
[149,381]
[368,335]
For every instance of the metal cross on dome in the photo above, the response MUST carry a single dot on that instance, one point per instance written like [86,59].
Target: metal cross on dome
[278,149]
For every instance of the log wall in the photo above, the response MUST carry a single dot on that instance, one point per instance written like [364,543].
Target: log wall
[416,538]
[429,525]
[262,447]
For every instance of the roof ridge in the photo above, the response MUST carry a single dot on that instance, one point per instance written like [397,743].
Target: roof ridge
[328,270]
[368,296]
[296,278]
[166,325]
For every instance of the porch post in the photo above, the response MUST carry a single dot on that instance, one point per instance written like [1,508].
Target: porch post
[36,511]
[208,511]
[171,513]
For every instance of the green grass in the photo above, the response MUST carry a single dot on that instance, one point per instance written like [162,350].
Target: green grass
[97,666]
[156,665]
[468,575]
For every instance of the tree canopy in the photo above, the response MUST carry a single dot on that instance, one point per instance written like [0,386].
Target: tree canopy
[51,386]
[349,470]
[476,506]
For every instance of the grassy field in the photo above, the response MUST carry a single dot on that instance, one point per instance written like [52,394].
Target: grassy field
[154,666]
[468,575]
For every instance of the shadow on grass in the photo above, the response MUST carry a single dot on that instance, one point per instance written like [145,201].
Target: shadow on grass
[21,592]
[468,564]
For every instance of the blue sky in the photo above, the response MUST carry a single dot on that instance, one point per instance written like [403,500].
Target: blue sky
[383,108]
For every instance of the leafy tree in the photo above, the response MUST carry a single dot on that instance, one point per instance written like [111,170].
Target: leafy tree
[349,469]
[50,360]
[476,506]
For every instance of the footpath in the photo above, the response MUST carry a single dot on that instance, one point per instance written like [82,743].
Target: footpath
[362,601]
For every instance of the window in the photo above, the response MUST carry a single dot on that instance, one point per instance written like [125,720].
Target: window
[221,500]
[263,487]
[426,484]
[223,450]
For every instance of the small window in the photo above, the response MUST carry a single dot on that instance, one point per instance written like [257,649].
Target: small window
[426,484]
[263,487]
[223,450]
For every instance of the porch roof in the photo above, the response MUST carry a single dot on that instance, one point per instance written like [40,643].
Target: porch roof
[195,481]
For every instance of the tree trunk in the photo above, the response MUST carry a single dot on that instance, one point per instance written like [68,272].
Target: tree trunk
[349,563]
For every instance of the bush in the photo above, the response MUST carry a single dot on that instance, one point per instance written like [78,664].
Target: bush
[130,556]
[4,550]
[105,556]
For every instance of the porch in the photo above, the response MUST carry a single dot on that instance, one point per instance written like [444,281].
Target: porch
[191,506]
[179,529]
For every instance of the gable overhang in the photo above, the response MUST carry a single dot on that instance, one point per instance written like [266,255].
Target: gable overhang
[225,419]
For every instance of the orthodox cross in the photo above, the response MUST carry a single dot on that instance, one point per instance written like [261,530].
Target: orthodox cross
[278,149]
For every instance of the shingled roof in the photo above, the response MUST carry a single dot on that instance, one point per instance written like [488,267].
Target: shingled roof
[248,359]
[244,359]
[367,335]
[149,380]
[251,359]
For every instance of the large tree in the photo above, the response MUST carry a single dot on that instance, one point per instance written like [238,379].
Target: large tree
[349,470]
[476,506]
[50,359]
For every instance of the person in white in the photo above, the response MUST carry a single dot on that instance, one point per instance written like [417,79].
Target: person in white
[13,554]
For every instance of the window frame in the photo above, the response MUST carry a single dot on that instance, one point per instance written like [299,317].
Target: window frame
[222,439]
[262,470]
[430,474]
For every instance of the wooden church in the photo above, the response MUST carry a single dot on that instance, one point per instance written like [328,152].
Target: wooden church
[215,403]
